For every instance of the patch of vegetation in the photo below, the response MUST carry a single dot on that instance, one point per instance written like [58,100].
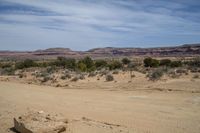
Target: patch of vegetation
[92,74]
[115,65]
[176,64]
[165,62]
[25,64]
[74,79]
[7,71]
[156,74]
[115,72]
[149,62]
[126,61]
[100,64]
[109,77]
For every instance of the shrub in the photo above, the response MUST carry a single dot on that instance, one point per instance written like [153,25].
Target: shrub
[115,72]
[88,63]
[156,74]
[51,69]
[69,63]
[92,74]
[5,65]
[82,67]
[195,62]
[115,65]
[25,64]
[74,79]
[103,72]
[125,61]
[100,63]
[109,77]
[46,78]
[176,64]
[149,62]
[8,71]
[165,62]
[131,65]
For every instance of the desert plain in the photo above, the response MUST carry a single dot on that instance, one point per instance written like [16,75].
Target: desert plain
[125,105]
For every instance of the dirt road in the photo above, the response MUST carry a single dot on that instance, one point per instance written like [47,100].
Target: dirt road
[104,111]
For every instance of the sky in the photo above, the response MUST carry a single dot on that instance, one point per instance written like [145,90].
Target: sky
[87,24]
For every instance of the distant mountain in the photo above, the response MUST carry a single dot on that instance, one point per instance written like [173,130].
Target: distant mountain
[186,50]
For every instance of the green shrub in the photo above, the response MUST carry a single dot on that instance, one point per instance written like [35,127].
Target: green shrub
[165,62]
[125,61]
[100,63]
[5,65]
[149,62]
[176,64]
[81,66]
[69,63]
[25,64]
[115,65]
[7,71]
[195,62]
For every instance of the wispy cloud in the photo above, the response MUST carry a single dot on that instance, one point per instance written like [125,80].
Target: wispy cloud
[83,24]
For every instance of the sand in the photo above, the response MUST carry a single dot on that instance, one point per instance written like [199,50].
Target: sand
[139,106]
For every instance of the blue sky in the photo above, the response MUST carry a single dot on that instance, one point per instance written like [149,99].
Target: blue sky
[86,24]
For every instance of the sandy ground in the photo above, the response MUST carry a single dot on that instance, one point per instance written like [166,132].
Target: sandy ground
[99,107]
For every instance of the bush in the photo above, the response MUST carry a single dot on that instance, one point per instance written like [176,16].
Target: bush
[156,74]
[69,63]
[176,64]
[100,63]
[74,79]
[115,65]
[25,64]
[149,62]
[88,62]
[115,72]
[109,77]
[46,78]
[195,62]
[5,65]
[125,61]
[92,74]
[8,71]
[165,62]
[81,66]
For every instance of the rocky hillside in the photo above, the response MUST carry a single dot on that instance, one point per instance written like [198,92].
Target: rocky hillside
[183,50]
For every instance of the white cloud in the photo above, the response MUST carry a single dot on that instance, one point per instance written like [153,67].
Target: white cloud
[79,24]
